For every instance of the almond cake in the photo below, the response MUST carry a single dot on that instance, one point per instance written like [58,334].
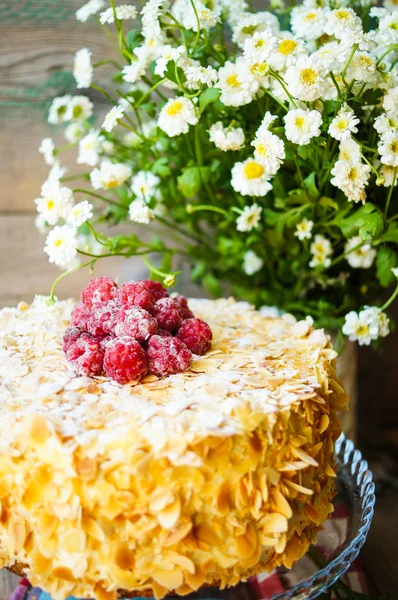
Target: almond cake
[201,478]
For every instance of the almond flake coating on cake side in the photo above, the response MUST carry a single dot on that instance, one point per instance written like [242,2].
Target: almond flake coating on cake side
[205,477]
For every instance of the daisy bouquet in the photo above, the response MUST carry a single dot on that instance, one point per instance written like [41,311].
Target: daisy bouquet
[261,146]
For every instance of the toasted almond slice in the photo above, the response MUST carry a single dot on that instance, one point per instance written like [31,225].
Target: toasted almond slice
[294,466]
[169,516]
[299,452]
[161,498]
[299,488]
[170,579]
[329,471]
[323,423]
[273,523]
[282,504]
[179,533]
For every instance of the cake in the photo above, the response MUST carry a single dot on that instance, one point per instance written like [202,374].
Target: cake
[201,478]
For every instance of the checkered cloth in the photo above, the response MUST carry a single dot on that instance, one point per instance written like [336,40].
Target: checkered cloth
[266,585]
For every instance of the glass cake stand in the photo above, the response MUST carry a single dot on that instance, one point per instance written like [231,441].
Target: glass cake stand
[337,545]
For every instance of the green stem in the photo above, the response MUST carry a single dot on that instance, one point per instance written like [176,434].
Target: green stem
[148,93]
[95,234]
[198,25]
[191,209]
[278,78]
[391,299]
[336,85]
[149,83]
[343,256]
[107,200]
[354,49]
[107,61]
[390,49]
[58,279]
[181,28]
[104,93]
[390,191]
[276,100]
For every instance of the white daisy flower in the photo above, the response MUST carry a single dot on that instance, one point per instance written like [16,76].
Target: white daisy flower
[288,50]
[269,150]
[304,229]
[139,212]
[301,125]
[361,328]
[349,151]
[54,201]
[123,13]
[252,263]
[343,124]
[388,29]
[79,214]
[89,149]
[332,56]
[234,83]
[250,178]
[362,67]
[61,245]
[249,218]
[207,18]
[376,316]
[110,175]
[386,123]
[79,107]
[74,132]
[388,149]
[351,178]
[255,72]
[306,79]
[82,68]
[58,110]
[226,138]
[47,148]
[321,250]
[151,13]
[308,23]
[248,24]
[55,174]
[134,72]
[344,24]
[267,120]
[388,174]
[168,53]
[132,140]
[176,116]
[260,47]
[197,74]
[112,117]
[361,257]
[89,9]
[390,101]
[144,185]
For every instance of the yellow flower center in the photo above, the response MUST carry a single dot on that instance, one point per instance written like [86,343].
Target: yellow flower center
[352,174]
[249,29]
[299,122]
[365,61]
[362,329]
[394,147]
[253,170]
[287,46]
[342,124]
[263,150]
[174,108]
[259,44]
[77,111]
[259,69]
[50,204]
[342,14]
[394,26]
[58,243]
[111,183]
[308,76]
[311,16]
[232,81]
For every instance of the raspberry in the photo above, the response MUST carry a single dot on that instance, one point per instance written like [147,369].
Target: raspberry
[156,289]
[135,293]
[164,333]
[102,319]
[135,322]
[196,335]
[167,313]
[71,335]
[168,355]
[80,315]
[125,360]
[86,356]
[100,289]
[184,309]
[105,340]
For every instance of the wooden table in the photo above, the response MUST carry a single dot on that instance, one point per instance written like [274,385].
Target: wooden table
[36,52]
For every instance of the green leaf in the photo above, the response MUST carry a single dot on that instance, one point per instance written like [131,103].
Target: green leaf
[134,39]
[328,202]
[368,222]
[302,151]
[207,97]
[170,73]
[386,259]
[391,235]
[191,180]
[160,167]
[310,185]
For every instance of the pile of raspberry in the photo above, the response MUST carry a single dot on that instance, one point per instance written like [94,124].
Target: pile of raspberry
[129,331]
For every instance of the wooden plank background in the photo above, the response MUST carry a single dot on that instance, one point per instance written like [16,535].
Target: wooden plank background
[37,48]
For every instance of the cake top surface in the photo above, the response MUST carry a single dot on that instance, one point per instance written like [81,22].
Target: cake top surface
[256,365]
